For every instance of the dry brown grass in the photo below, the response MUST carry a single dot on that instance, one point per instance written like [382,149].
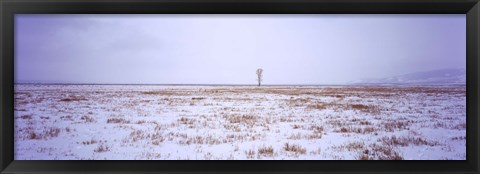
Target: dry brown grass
[198,98]
[92,141]
[157,138]
[395,125]
[87,119]
[295,136]
[461,126]
[317,132]
[366,108]
[118,120]
[33,136]
[248,119]
[316,129]
[102,148]
[359,130]
[232,127]
[459,138]
[360,107]
[137,135]
[210,140]
[405,141]
[266,151]
[140,122]
[72,99]
[170,92]
[51,132]
[317,106]
[234,99]
[185,120]
[299,101]
[294,148]
[26,117]
[68,129]
[355,146]
[44,117]
[250,154]
[377,152]
[47,133]
[314,136]
[365,123]
[296,126]
[287,119]
[351,147]
[336,123]
[441,124]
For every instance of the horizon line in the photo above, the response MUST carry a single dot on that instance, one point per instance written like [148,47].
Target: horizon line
[184,84]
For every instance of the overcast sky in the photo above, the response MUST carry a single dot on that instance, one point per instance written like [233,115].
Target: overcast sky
[227,49]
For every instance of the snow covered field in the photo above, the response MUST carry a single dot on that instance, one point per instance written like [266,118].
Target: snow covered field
[129,122]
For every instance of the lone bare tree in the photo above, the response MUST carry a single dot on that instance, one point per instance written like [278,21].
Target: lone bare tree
[259,75]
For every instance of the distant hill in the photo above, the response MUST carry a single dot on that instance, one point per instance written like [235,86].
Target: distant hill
[442,76]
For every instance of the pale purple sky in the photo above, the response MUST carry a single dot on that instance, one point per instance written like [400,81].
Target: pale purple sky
[227,49]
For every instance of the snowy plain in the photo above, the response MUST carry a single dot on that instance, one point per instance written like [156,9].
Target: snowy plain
[140,122]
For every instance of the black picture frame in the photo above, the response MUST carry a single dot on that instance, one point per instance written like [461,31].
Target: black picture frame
[8,8]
